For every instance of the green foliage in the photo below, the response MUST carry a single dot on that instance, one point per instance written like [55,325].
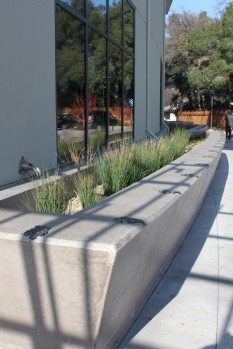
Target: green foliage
[149,156]
[199,56]
[116,169]
[70,50]
[177,143]
[96,14]
[70,58]
[131,162]
[97,140]
[115,17]
[70,151]
[85,189]
[202,40]
[49,196]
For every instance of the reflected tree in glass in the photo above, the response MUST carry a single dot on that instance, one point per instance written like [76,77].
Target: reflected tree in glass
[70,77]
[115,87]
[128,93]
[97,118]
[115,20]
[77,5]
[97,13]
[128,27]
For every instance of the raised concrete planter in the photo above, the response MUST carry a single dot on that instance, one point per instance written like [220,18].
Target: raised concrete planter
[83,284]
[197,131]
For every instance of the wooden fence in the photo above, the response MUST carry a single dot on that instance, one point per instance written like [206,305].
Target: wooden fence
[204,117]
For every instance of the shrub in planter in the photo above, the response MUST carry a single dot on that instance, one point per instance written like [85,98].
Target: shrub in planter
[116,169]
[85,189]
[50,196]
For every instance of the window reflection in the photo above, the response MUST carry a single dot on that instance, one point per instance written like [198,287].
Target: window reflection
[74,115]
[77,5]
[128,95]
[115,90]
[97,13]
[97,117]
[128,27]
[115,19]
[70,83]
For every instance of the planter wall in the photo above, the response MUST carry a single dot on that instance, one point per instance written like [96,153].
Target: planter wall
[83,284]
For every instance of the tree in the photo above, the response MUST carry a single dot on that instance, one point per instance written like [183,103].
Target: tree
[211,62]
[220,7]
[179,28]
[202,63]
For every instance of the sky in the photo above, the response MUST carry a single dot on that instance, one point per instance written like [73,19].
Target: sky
[195,6]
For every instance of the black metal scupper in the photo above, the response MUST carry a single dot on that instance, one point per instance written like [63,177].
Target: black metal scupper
[129,220]
[38,230]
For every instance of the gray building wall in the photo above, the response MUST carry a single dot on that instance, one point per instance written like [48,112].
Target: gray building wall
[27,86]
[150,21]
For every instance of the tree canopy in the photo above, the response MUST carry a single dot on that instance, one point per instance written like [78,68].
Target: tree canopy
[199,57]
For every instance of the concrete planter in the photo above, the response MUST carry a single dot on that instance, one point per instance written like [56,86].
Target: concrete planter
[83,284]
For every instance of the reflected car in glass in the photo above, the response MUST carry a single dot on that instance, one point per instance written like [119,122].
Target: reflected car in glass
[98,118]
[66,121]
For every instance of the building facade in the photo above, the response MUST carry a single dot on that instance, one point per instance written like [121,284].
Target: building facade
[76,73]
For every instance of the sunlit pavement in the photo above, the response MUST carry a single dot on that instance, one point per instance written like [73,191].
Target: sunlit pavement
[192,307]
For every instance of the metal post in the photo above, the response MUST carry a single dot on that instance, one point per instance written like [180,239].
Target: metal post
[211,114]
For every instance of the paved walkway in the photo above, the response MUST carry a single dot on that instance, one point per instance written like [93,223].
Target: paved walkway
[192,307]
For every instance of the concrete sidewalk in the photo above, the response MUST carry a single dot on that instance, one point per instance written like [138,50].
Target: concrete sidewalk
[192,307]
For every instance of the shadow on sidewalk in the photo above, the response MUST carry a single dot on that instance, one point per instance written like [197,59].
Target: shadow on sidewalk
[225,343]
[184,260]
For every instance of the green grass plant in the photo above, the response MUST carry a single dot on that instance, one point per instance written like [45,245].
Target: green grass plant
[118,167]
[85,189]
[130,162]
[48,196]
[177,143]
[68,151]
[97,140]
[148,156]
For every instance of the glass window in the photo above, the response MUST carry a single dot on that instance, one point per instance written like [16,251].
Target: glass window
[97,13]
[115,20]
[97,116]
[77,114]
[115,92]
[128,27]
[77,5]
[128,95]
[70,84]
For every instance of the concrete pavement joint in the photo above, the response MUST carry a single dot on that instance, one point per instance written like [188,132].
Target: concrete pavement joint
[218,292]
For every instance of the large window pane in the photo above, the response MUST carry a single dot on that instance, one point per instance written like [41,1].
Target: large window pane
[128,95]
[77,5]
[115,91]
[115,20]
[72,120]
[128,27]
[97,117]
[70,84]
[97,13]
